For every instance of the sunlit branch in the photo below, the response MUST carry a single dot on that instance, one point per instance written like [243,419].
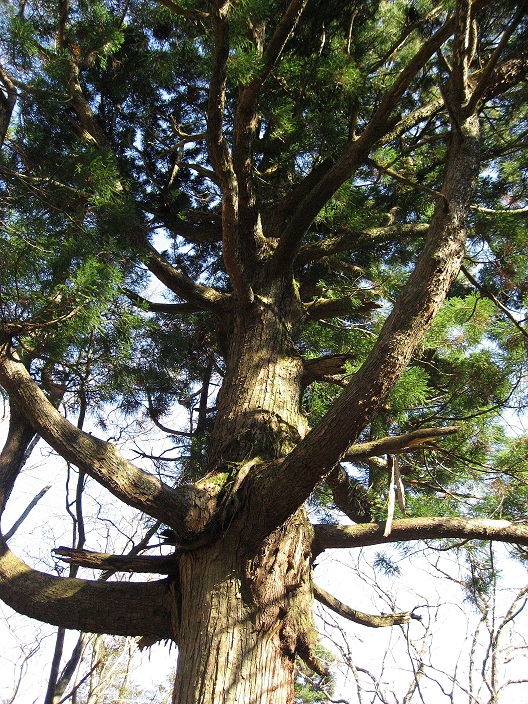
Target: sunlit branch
[417,304]
[246,113]
[398,443]
[97,458]
[120,608]
[156,564]
[357,150]
[437,528]
[403,179]
[221,159]
[373,621]
[485,75]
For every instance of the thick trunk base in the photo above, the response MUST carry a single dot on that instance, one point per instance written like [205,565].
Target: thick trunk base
[241,621]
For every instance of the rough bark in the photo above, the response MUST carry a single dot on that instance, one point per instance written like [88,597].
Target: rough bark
[243,618]
[258,407]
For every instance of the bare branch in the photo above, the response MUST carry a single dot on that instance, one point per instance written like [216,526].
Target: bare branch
[437,528]
[379,621]
[156,564]
[397,443]
[34,501]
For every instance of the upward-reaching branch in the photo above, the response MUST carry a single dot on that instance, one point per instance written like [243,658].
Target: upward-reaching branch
[97,458]
[246,115]
[221,159]
[355,153]
[413,312]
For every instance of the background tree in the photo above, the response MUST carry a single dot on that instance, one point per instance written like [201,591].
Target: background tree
[333,200]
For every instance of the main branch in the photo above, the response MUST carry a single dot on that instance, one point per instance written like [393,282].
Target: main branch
[284,487]
[438,528]
[97,458]
[120,608]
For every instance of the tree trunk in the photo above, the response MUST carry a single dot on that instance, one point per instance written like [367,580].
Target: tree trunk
[244,610]
[242,619]
[258,406]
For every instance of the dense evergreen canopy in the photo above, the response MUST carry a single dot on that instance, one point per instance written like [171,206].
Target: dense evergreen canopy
[303,222]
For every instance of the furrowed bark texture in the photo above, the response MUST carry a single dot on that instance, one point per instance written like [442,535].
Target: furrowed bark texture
[259,403]
[243,619]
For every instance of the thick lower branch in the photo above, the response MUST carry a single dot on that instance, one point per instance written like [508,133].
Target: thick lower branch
[437,528]
[119,608]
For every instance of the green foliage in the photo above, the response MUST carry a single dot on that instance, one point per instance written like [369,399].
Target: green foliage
[71,204]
